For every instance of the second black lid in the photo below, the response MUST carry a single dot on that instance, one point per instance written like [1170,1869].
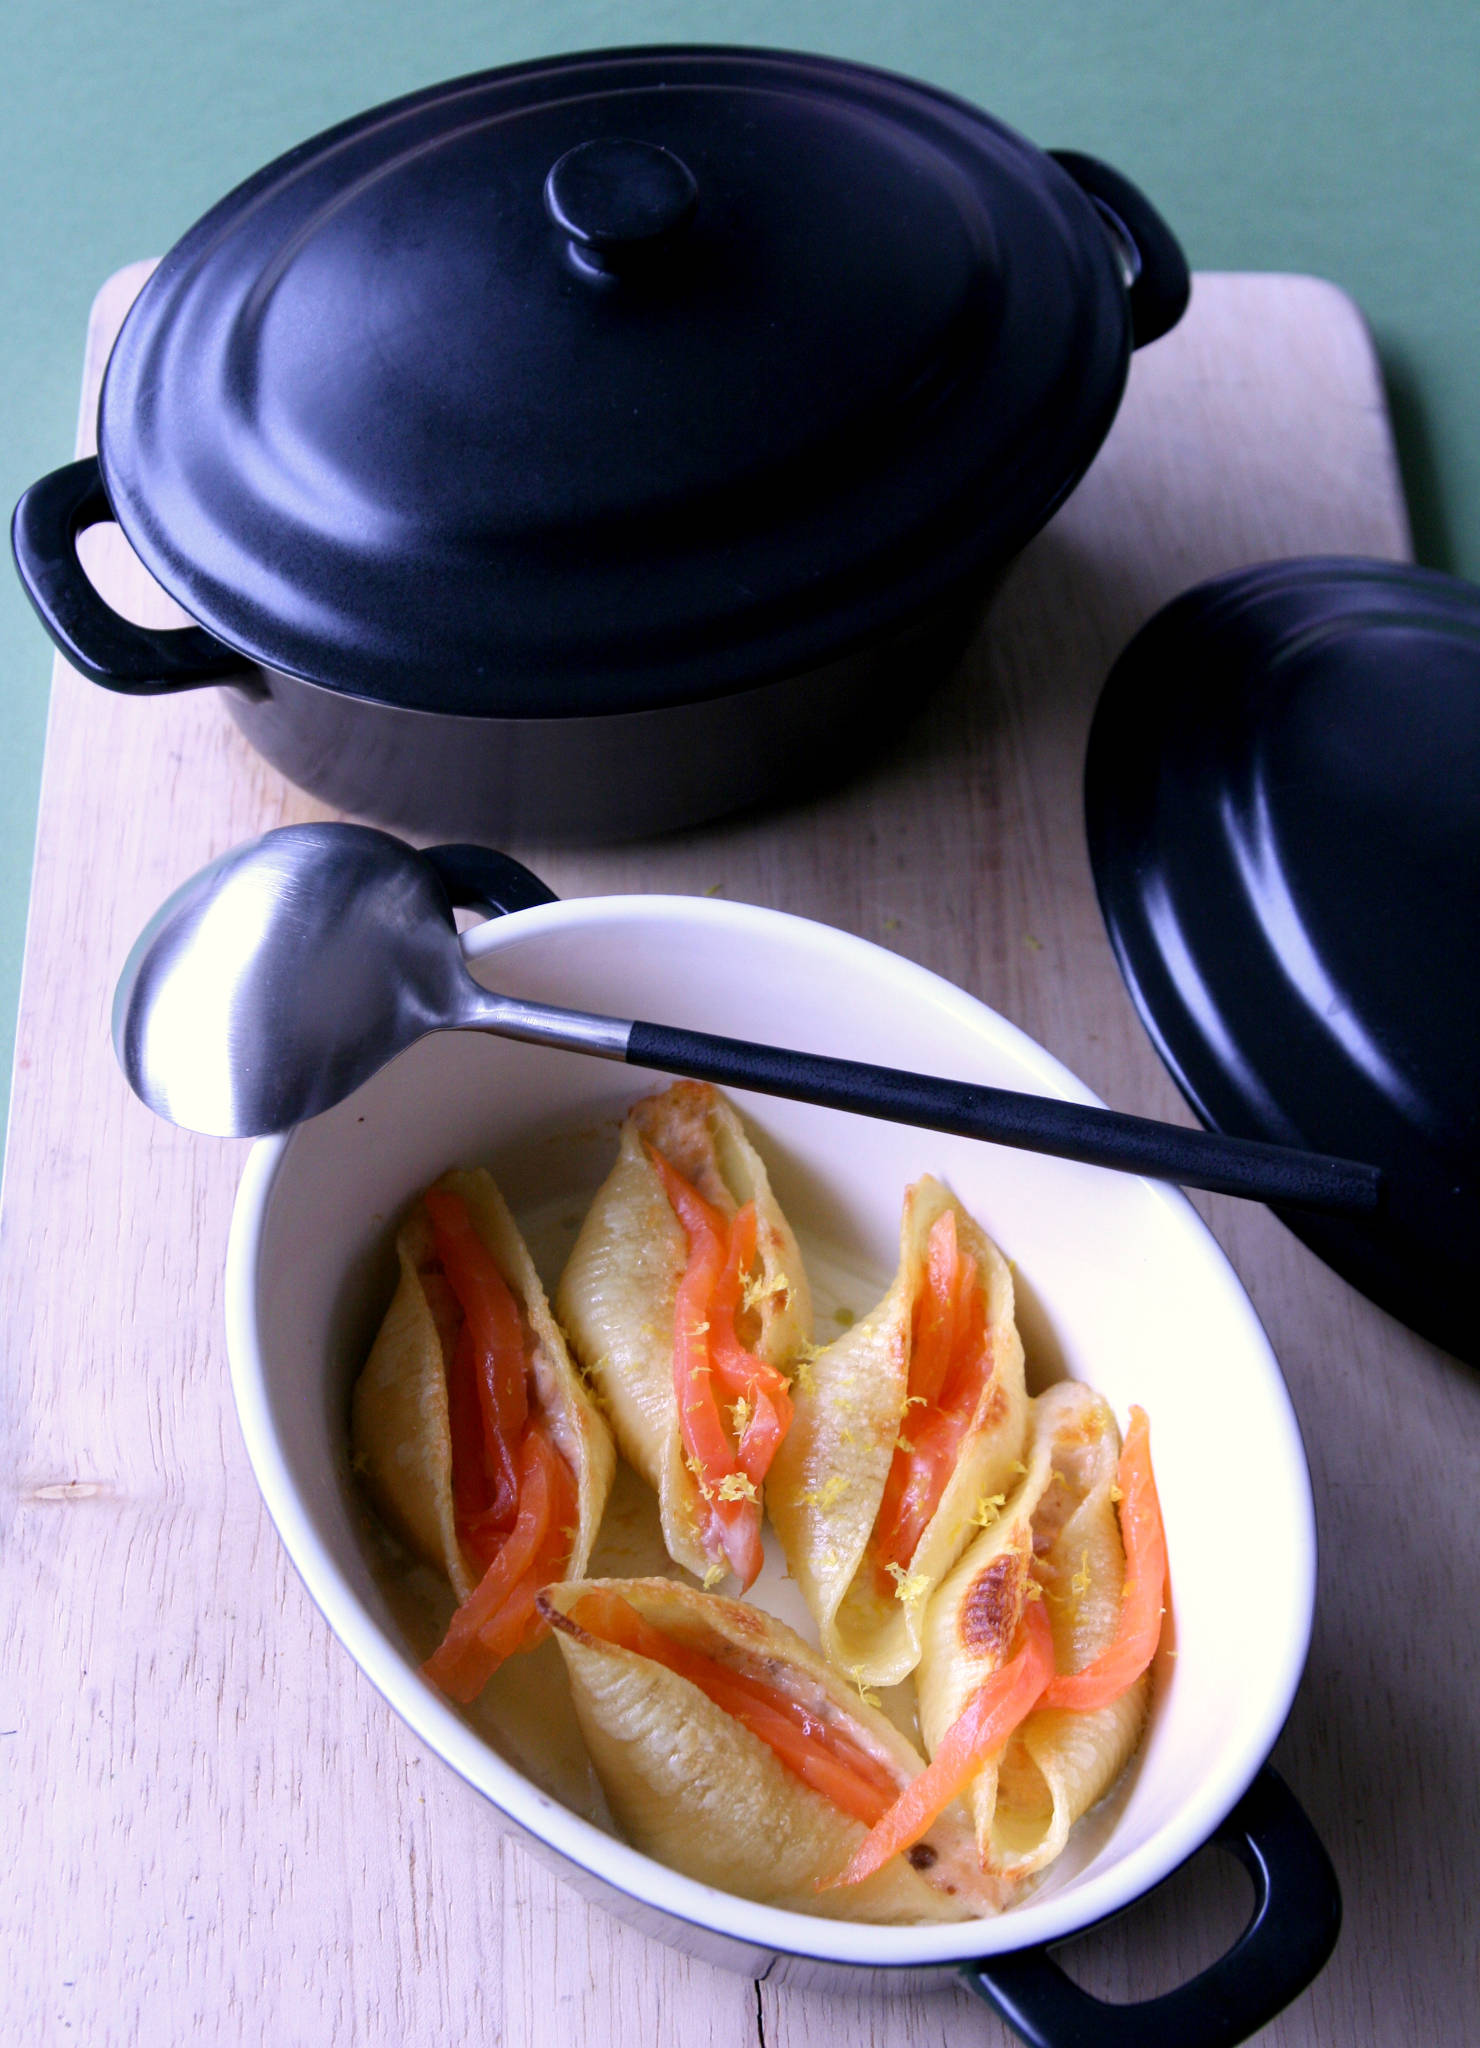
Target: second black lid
[1283,803]
[612,380]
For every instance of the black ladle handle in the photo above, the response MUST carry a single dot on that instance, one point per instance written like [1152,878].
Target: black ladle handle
[141,661]
[1032,1123]
[477,877]
[1296,1919]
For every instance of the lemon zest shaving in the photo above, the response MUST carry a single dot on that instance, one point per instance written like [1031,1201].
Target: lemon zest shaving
[597,1369]
[862,1687]
[801,1365]
[712,1577]
[908,1586]
[757,1289]
[988,1509]
[826,1495]
[736,1486]
[740,1414]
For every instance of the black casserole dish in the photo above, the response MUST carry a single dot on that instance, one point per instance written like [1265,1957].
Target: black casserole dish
[597,445]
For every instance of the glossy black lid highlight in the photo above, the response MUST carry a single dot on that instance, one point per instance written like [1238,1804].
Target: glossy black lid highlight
[1283,802]
[619,201]
[612,381]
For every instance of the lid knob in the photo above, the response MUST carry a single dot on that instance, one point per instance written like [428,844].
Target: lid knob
[619,200]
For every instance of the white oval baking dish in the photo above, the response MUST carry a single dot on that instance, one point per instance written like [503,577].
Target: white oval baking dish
[1120,1284]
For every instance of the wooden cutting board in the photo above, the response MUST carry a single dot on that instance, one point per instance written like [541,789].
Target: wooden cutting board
[218,1832]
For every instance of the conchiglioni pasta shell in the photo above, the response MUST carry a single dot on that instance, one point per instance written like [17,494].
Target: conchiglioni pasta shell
[616,1297]
[400,1427]
[828,1479]
[693,1787]
[400,1433]
[1058,1764]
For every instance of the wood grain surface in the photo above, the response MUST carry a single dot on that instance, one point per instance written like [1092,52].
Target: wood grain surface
[218,1832]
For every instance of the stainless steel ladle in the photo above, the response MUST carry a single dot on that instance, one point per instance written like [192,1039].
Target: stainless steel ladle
[289,971]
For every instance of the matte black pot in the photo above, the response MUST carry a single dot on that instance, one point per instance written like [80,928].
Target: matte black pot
[593,447]
[582,778]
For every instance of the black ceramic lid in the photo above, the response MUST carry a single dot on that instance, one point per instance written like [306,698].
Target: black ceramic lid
[612,381]
[1283,800]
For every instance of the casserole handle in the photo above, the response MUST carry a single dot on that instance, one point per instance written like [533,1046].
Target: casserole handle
[142,661]
[1156,276]
[1297,1915]
[477,878]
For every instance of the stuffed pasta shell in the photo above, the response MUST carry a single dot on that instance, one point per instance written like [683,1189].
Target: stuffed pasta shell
[685,1299]
[471,1431]
[733,1753]
[1057,1540]
[904,1427]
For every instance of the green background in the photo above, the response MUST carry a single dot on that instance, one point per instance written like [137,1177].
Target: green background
[1337,139]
